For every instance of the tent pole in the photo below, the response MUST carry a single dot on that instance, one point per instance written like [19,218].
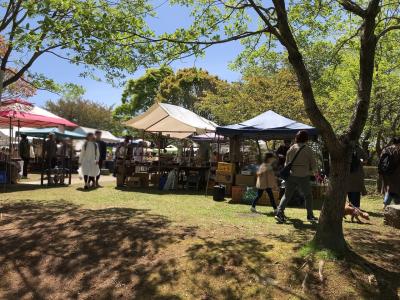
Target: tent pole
[10,137]
[218,148]
[42,164]
[159,153]
[19,127]
[9,154]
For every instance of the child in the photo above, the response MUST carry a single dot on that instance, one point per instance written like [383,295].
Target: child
[266,180]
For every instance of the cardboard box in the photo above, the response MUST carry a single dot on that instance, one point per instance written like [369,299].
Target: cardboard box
[237,193]
[226,168]
[133,182]
[245,180]
[144,179]
[223,177]
[155,179]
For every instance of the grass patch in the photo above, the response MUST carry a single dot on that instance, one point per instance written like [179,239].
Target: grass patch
[312,249]
[145,244]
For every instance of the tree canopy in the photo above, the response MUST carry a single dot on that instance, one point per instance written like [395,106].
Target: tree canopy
[91,32]
[185,88]
[256,93]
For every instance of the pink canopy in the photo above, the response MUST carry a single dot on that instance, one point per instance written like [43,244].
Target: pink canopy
[24,114]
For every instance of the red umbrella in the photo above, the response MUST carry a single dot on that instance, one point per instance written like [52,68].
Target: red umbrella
[18,112]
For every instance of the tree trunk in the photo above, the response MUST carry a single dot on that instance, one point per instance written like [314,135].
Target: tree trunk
[2,75]
[259,158]
[330,229]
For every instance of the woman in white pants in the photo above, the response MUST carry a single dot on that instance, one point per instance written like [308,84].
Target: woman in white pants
[89,160]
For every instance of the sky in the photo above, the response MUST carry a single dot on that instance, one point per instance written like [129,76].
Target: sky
[215,61]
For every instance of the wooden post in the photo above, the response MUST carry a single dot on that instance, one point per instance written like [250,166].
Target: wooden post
[42,163]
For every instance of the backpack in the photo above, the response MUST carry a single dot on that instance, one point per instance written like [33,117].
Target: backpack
[387,164]
[95,147]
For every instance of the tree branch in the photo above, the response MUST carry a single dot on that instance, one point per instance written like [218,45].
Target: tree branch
[303,78]
[21,71]
[388,29]
[368,42]
[353,7]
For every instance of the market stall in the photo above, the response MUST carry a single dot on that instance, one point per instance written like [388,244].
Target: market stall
[65,156]
[174,122]
[17,113]
[237,177]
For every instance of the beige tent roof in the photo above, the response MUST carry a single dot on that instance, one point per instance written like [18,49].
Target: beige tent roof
[106,136]
[171,120]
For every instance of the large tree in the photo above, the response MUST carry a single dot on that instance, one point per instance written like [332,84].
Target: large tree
[185,88]
[139,94]
[80,31]
[257,92]
[291,28]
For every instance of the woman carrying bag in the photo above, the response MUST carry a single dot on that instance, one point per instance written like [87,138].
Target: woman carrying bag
[266,181]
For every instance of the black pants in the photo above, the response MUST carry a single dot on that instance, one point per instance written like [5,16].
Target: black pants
[51,163]
[25,167]
[354,198]
[88,179]
[100,166]
[270,195]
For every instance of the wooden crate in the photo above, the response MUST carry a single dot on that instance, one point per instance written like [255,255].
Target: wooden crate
[237,193]
[133,182]
[223,177]
[226,168]
[245,180]
[144,179]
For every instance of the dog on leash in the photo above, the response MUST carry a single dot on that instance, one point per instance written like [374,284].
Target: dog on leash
[355,213]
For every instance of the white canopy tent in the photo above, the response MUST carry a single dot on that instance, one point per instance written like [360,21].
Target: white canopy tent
[172,121]
[106,136]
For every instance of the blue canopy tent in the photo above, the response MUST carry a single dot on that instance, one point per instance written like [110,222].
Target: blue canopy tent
[268,125]
[44,132]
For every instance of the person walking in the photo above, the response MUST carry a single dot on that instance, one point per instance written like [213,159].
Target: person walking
[123,156]
[89,160]
[50,155]
[102,146]
[24,149]
[355,181]
[281,153]
[266,181]
[303,163]
[389,167]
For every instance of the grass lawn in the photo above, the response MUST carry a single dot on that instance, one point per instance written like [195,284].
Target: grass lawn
[65,243]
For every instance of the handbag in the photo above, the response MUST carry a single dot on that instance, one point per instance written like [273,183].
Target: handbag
[285,172]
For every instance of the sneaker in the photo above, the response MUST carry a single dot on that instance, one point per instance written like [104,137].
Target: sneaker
[280,217]
[253,209]
[312,219]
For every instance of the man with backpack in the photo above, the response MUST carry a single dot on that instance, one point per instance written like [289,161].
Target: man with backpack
[389,168]
[300,165]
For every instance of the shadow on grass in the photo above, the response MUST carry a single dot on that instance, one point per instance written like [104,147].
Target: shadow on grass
[369,267]
[59,250]
[241,266]
[156,191]
[12,188]
[378,254]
